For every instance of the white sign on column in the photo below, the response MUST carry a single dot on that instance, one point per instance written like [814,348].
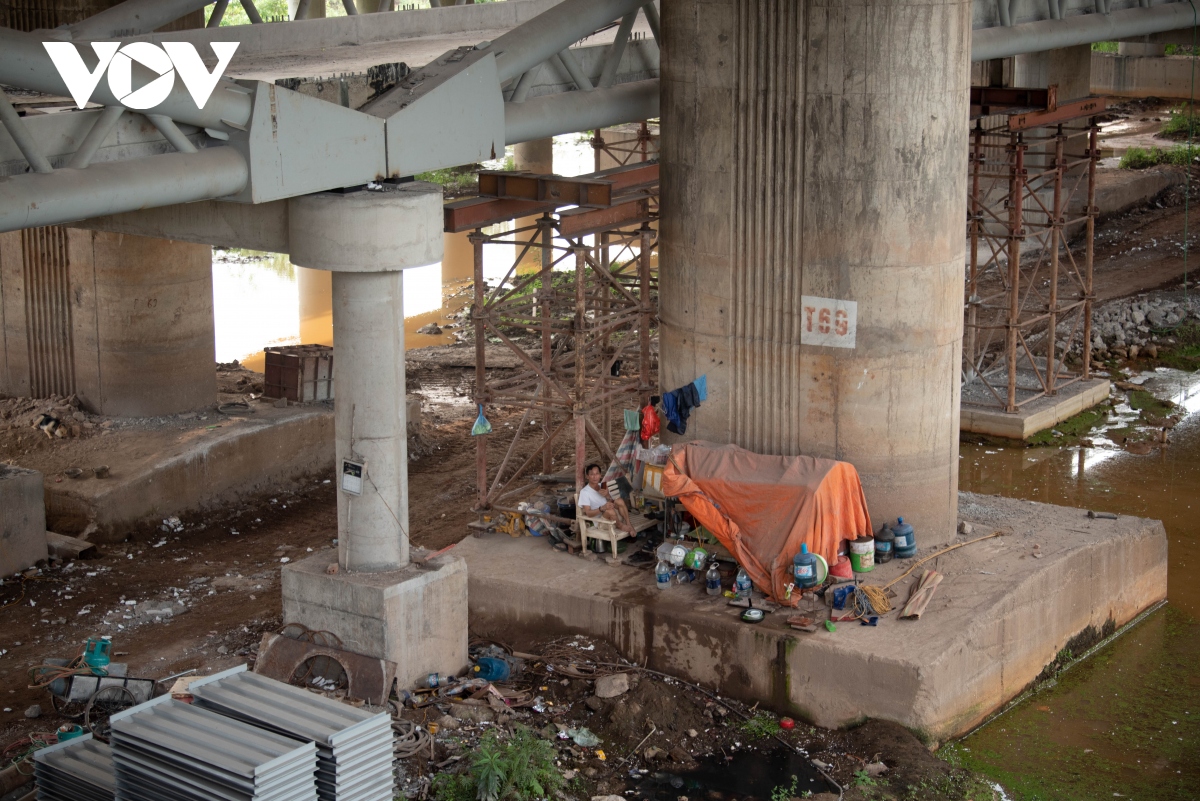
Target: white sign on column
[828,322]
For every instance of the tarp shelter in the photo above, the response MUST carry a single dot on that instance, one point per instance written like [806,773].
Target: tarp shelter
[762,508]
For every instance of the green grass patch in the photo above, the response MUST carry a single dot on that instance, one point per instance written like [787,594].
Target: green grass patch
[763,724]
[1182,123]
[1104,47]
[1150,406]
[1072,429]
[1186,354]
[1139,158]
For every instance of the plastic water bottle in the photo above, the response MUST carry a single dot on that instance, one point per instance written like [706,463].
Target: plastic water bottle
[662,575]
[712,579]
[489,668]
[742,584]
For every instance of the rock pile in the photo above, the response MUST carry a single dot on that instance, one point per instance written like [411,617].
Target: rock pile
[1126,327]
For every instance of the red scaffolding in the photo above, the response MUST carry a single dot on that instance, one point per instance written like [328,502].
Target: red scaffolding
[1032,179]
[593,332]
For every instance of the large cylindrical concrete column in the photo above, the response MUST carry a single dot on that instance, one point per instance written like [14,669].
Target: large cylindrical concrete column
[367,239]
[815,152]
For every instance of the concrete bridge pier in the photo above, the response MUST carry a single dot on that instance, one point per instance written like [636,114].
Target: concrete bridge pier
[373,596]
[812,250]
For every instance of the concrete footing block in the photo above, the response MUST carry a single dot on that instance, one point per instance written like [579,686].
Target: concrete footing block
[415,617]
[22,519]
[999,617]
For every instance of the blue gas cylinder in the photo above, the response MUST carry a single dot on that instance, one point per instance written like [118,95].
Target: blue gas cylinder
[804,568]
[906,541]
[489,668]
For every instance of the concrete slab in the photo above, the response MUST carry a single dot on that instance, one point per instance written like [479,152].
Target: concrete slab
[1035,416]
[22,519]
[997,619]
[415,617]
[205,467]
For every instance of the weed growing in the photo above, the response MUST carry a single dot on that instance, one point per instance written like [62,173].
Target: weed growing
[760,726]
[520,768]
[1139,158]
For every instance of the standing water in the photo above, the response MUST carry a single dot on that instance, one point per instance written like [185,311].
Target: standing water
[1126,722]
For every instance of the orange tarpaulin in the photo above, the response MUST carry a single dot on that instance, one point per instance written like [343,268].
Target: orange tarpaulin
[763,507]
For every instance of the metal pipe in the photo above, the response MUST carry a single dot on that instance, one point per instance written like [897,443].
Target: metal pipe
[617,50]
[252,12]
[63,196]
[171,131]
[20,134]
[549,32]
[351,9]
[133,17]
[569,112]
[302,9]
[100,130]
[1034,37]
[1005,12]
[25,63]
[521,90]
[651,12]
[218,14]
[571,64]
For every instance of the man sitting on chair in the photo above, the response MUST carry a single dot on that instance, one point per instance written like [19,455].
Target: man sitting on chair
[597,503]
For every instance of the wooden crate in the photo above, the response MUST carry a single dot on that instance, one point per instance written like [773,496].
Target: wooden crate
[300,373]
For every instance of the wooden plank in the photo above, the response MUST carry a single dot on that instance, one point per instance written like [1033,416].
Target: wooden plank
[65,548]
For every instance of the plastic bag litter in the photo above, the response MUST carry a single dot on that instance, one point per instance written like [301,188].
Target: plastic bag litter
[482,426]
[584,737]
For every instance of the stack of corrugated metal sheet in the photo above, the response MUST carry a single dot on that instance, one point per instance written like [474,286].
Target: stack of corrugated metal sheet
[75,770]
[173,751]
[354,746]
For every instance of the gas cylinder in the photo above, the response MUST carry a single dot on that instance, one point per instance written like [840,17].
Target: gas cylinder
[906,541]
[804,568]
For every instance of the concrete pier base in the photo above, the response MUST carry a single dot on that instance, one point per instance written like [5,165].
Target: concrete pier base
[1034,416]
[22,519]
[412,616]
[997,619]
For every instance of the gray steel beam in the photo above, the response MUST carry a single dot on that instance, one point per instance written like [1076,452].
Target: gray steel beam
[16,129]
[100,130]
[24,62]
[133,17]
[579,111]
[1033,37]
[548,33]
[63,196]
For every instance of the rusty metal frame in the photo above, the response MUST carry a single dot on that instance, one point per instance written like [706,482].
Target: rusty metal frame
[599,325]
[1023,179]
[627,152]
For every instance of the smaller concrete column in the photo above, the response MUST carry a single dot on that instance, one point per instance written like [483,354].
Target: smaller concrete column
[536,157]
[366,239]
[372,597]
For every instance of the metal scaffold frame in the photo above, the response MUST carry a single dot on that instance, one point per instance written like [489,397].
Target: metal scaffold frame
[594,335]
[1028,172]
[625,151]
